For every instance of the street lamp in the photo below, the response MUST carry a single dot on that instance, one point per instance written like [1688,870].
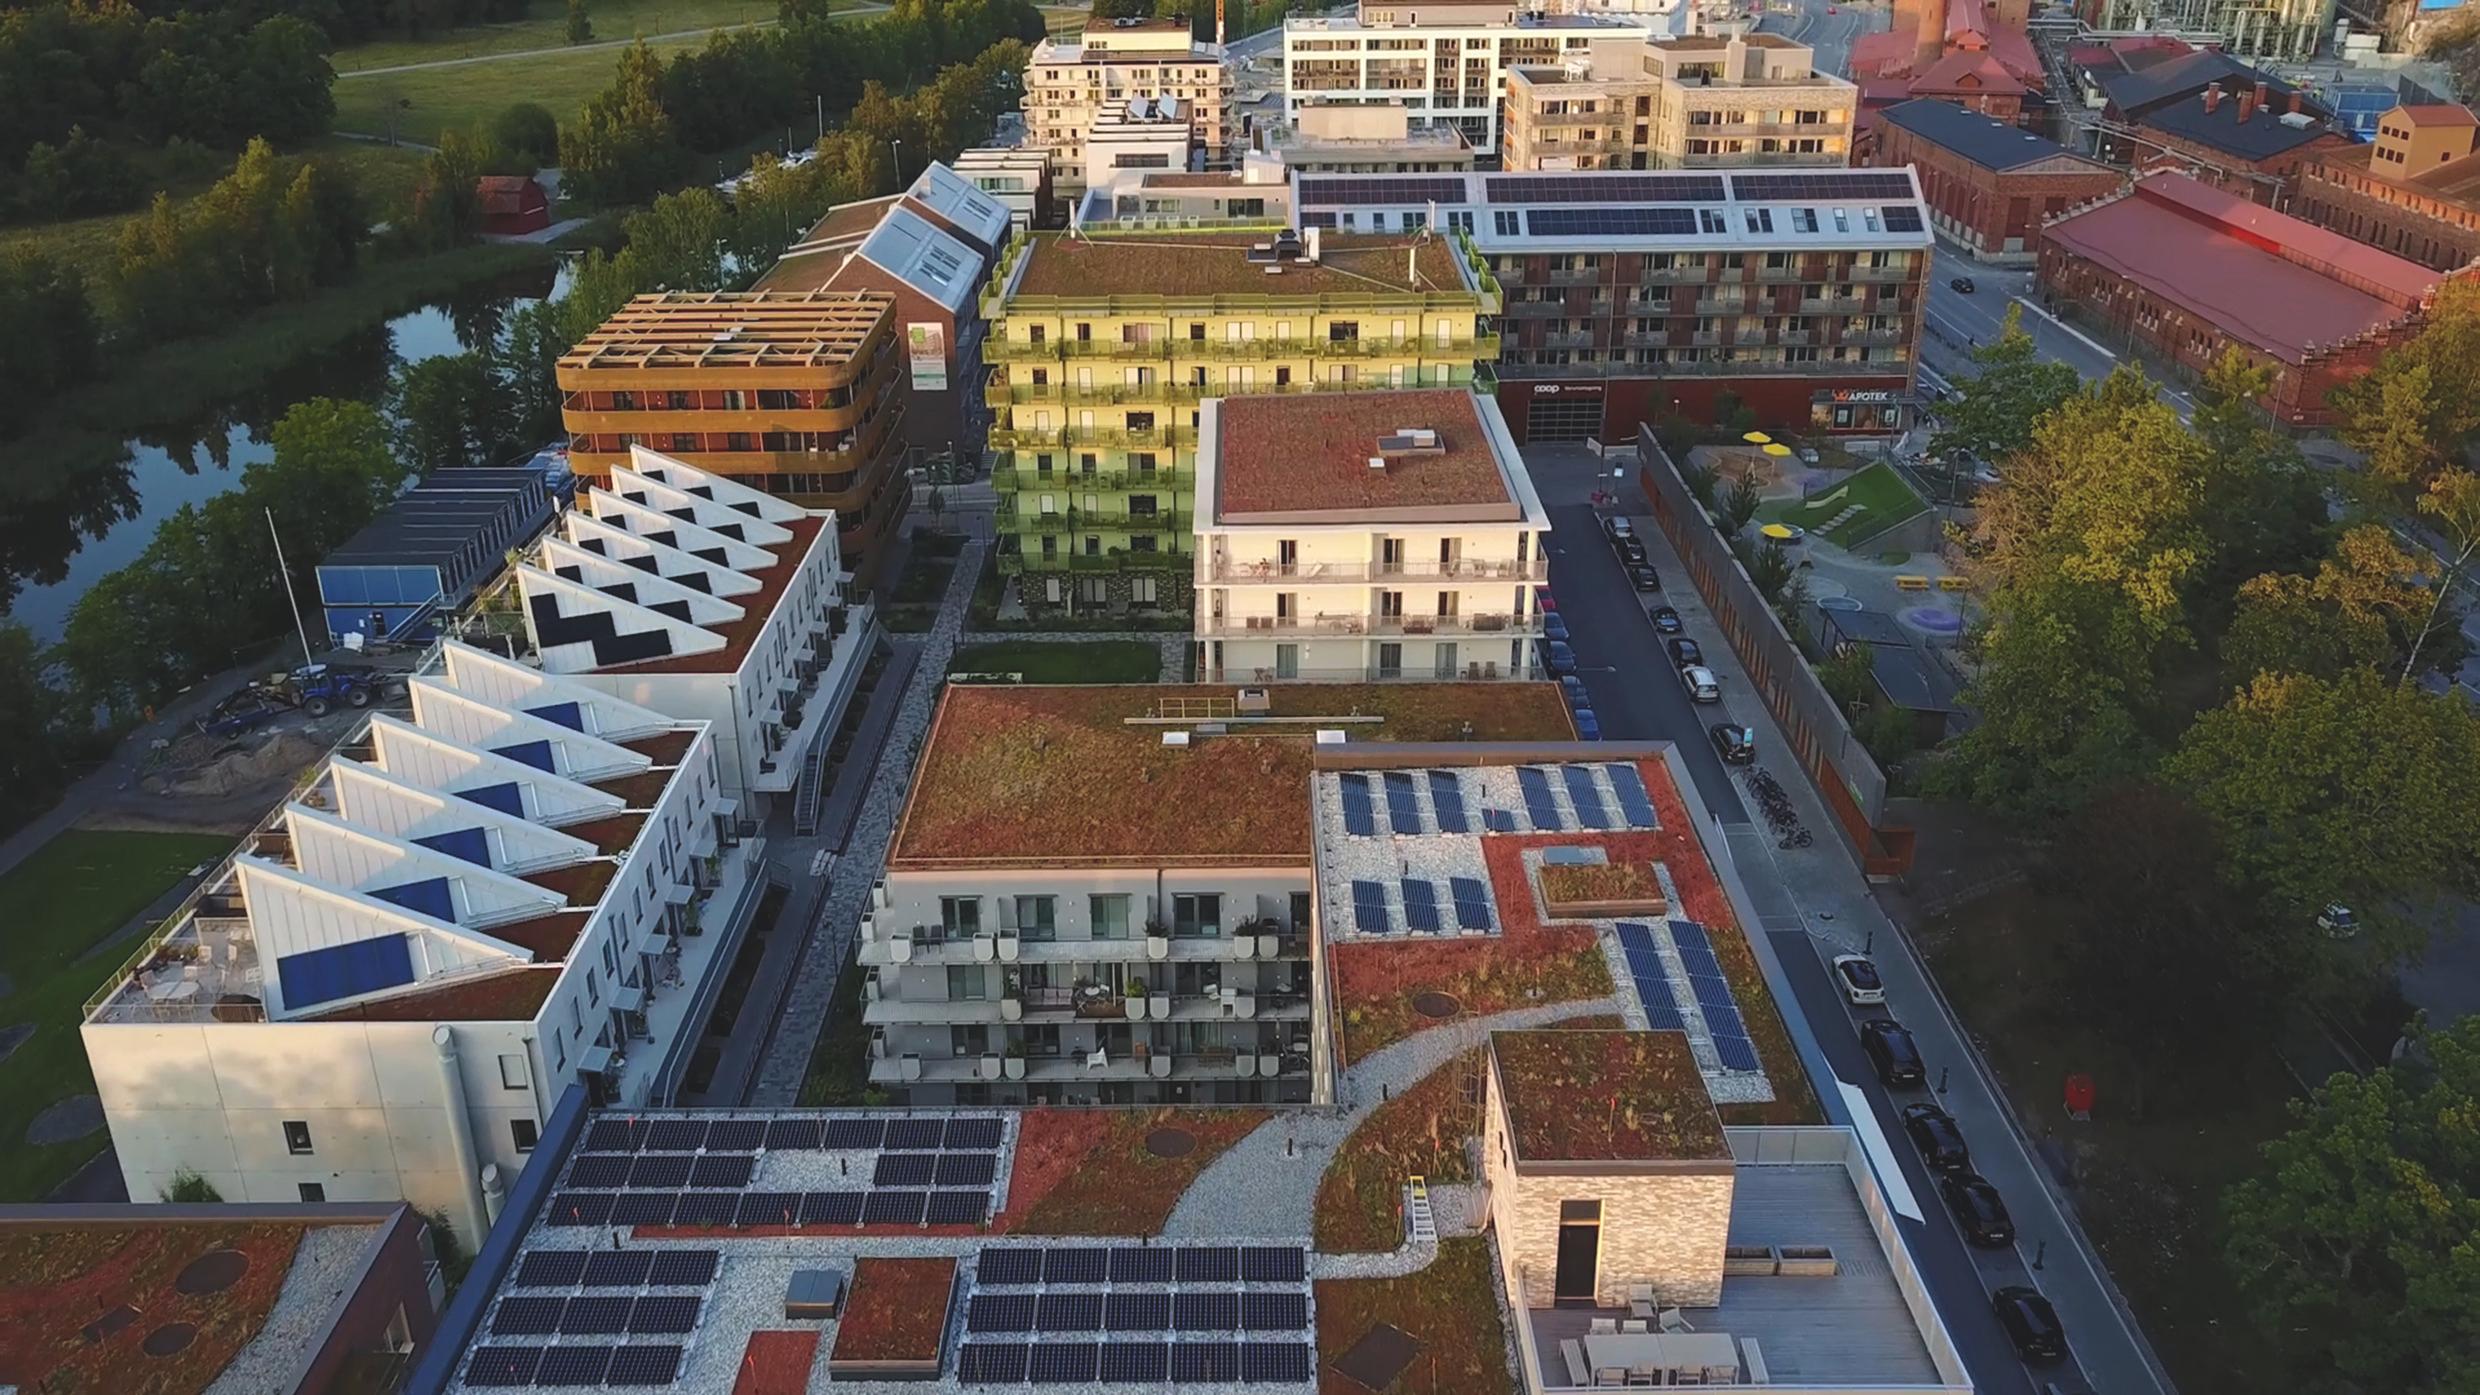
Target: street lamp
[897,155]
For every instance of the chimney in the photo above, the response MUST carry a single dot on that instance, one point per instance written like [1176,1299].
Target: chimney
[2296,99]
[1735,59]
[2247,103]
[2264,94]
[1929,39]
[2212,97]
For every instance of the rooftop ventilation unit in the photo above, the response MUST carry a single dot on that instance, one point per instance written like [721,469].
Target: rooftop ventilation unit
[1330,736]
[1175,738]
[1410,440]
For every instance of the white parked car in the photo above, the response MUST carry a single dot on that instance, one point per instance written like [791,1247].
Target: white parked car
[1700,683]
[1857,977]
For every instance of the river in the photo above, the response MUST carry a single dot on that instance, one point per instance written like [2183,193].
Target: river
[66,525]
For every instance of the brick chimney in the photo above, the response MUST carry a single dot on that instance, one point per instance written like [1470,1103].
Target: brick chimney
[2212,97]
[2296,101]
[2247,103]
[1929,39]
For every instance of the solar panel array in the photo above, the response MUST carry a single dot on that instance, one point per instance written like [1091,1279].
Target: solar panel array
[1652,978]
[1902,217]
[1821,185]
[1380,193]
[1585,796]
[1421,907]
[1403,808]
[1635,804]
[1446,799]
[1714,997]
[1133,1316]
[554,1299]
[1611,222]
[1539,805]
[1360,817]
[1447,811]
[696,1172]
[1369,908]
[1472,903]
[1520,189]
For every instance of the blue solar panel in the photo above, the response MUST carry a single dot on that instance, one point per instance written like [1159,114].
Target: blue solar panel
[1697,959]
[1662,1012]
[567,714]
[507,798]
[1360,818]
[1737,1053]
[345,971]
[1403,811]
[1634,937]
[1421,906]
[1538,803]
[1369,908]
[464,844]
[1711,992]
[1472,903]
[431,896]
[1498,820]
[1585,795]
[1725,1022]
[1687,932]
[1635,805]
[534,753]
[1446,796]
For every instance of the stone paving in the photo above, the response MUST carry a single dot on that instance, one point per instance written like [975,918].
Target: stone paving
[806,1003]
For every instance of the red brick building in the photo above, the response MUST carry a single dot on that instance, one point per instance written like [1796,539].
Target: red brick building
[2414,191]
[2190,270]
[1989,185]
[1954,51]
[2211,117]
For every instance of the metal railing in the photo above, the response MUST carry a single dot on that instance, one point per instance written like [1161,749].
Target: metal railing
[1271,572]
[1343,624]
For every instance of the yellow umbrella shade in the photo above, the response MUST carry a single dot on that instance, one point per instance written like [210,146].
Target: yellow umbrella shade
[1757,438]
[1776,448]
[1779,532]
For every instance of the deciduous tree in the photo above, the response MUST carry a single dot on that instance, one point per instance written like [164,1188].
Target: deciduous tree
[2011,388]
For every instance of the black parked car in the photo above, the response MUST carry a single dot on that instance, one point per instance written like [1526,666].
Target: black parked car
[1643,577]
[1934,1133]
[1978,1209]
[1890,1049]
[1736,744]
[1963,284]
[1684,653]
[2031,1324]
[1632,552]
[1666,619]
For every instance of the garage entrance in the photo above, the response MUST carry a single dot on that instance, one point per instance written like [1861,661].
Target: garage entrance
[1563,419]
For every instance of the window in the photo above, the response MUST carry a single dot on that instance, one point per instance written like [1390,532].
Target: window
[1580,1213]
[512,1072]
[1110,916]
[1037,917]
[313,1193]
[297,1136]
[961,916]
[524,1134]
[1197,915]
[964,983]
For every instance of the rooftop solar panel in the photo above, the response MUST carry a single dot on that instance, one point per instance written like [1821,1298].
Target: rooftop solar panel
[1076,1264]
[1610,222]
[1205,1363]
[831,1208]
[683,1268]
[707,1208]
[596,1317]
[600,1170]
[722,1170]
[1725,1021]
[1821,185]
[1062,1363]
[1379,193]
[527,1317]
[904,1170]
[661,1170]
[977,1132]
[1662,1012]
[1273,1312]
[1000,1312]
[1635,804]
[966,1169]
[1585,795]
[675,1135]
[502,1367]
[1421,906]
[1072,1310]
[736,1136]
[1126,1364]
[579,1208]
[618,1268]
[1711,992]
[1446,799]
[957,1208]
[664,1315]
[1012,1264]
[893,1208]
[1539,806]
[1140,1266]
[1403,809]
[1687,932]
[1274,1361]
[1207,1263]
[788,1134]
[1901,217]
[573,1366]
[1697,959]
[992,1363]
[1274,1264]
[644,1365]
[1360,817]
[613,1136]
[551,1269]
[1737,1053]
[844,1134]
[1498,820]
[915,1134]
[1137,1311]
[1604,189]
[1369,908]
[1472,903]
[1205,1311]
[768,1208]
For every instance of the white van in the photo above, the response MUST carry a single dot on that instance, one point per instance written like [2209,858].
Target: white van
[1699,681]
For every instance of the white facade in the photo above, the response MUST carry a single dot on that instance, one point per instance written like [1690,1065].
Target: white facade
[1069,87]
[382,993]
[1130,139]
[1445,64]
[1016,176]
[690,595]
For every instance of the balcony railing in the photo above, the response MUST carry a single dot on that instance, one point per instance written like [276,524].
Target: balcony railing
[1123,438]
[1232,571]
[1025,438]
[1017,479]
[1113,348]
[1344,624]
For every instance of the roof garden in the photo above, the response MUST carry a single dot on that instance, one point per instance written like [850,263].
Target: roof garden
[1077,774]
[1287,456]
[1188,266]
[895,1323]
[1605,1096]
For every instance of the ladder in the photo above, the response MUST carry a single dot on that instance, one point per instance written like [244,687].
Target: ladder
[1417,1217]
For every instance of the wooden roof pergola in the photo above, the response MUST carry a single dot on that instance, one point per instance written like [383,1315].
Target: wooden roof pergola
[735,329]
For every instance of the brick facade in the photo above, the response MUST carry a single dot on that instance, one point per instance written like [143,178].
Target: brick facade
[2337,192]
[1997,214]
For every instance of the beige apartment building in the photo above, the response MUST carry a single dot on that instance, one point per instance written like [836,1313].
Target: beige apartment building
[1689,103]
[1113,63]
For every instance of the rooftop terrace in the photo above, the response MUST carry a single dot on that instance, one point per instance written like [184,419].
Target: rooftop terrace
[1189,266]
[1291,456]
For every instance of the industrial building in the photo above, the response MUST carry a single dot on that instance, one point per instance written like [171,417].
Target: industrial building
[1990,183]
[428,552]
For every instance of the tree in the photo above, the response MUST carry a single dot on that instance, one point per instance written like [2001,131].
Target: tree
[1849,676]
[525,133]
[677,245]
[2355,613]
[622,147]
[2452,503]
[1740,505]
[2419,409]
[449,413]
[188,1188]
[2010,390]
[31,718]
[1122,9]
[2355,790]
[580,24]
[50,344]
[2353,1246]
[2263,508]
[447,205]
[1770,568]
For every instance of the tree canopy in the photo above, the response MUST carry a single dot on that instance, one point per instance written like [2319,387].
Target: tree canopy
[2009,390]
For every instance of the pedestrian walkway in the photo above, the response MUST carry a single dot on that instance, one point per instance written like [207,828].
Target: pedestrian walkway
[828,937]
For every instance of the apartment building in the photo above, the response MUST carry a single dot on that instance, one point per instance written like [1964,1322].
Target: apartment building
[1069,87]
[1367,536]
[1699,102]
[1340,138]
[684,593]
[1631,296]
[1446,63]
[795,394]
[1019,178]
[379,995]
[2414,191]
[1105,346]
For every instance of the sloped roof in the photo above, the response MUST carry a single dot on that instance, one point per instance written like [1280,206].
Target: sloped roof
[962,204]
[925,256]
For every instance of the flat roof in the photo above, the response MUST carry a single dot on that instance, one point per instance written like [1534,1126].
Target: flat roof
[1293,455]
[1984,140]
[734,329]
[429,524]
[1058,776]
[1605,1096]
[1205,264]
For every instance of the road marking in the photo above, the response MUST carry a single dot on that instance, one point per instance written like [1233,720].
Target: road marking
[2079,335]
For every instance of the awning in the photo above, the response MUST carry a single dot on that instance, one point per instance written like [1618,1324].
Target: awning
[594,1060]
[727,806]
[679,893]
[629,997]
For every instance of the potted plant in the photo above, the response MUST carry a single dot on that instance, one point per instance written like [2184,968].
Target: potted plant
[990,1065]
[1136,1000]
[1014,1064]
[1159,1005]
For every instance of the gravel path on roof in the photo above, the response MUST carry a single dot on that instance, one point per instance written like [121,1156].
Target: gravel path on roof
[325,1264]
[1266,1184]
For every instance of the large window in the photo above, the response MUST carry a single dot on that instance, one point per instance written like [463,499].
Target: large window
[964,983]
[1110,917]
[961,916]
[1197,915]
[1037,917]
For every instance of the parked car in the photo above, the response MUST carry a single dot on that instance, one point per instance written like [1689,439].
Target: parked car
[1573,688]
[1558,657]
[1666,619]
[1543,601]
[1588,726]
[2031,1324]
[1632,552]
[1736,744]
[1643,577]
[1856,974]
[1963,284]
[1891,1051]
[1934,1133]
[1554,625]
[2338,921]
[1684,652]
[1979,1211]
[1701,684]
[1617,528]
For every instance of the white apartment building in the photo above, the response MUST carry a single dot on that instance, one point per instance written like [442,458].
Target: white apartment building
[688,594]
[1444,63]
[1367,536]
[1018,177]
[1069,87]
[384,990]
[1352,138]
[1139,138]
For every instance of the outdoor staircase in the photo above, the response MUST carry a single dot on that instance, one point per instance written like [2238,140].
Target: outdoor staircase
[809,793]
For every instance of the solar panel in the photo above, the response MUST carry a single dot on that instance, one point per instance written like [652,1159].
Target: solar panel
[722,1170]
[1000,1312]
[768,1208]
[1136,1363]
[664,1315]
[675,1135]
[784,1135]
[644,1366]
[1207,1264]
[1737,1053]
[683,1268]
[843,1134]
[643,1208]
[1662,1012]
[1138,1312]
[1610,222]
[1063,1363]
[1725,1022]
[1711,992]
[973,1133]
[1069,1311]
[1273,1312]
[596,1317]
[1369,909]
[1538,803]
[831,1208]
[551,1269]
[1472,903]
[1635,939]
[1605,189]
[1403,809]
[1902,217]
[612,1136]
[1140,1266]
[1687,932]
[1821,186]
[1014,1264]
[1381,193]
[580,1208]
[1635,805]
[736,1136]
[501,1367]
[1201,1363]
[1274,1264]
[1318,219]
[915,1134]
[992,1363]
[1421,906]
[661,1170]
[573,1366]
[1446,799]
[957,1208]
[893,1208]
[904,1170]
[527,1317]
[618,1268]
[1585,795]
[1699,960]
[1205,1311]
[1360,818]
[966,1169]
[707,1208]
[1498,820]
[1076,1264]
[600,1170]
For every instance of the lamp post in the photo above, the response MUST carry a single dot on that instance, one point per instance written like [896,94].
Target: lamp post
[897,154]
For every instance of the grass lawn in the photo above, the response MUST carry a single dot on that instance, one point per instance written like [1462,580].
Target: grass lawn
[1089,1172]
[1881,495]
[839,1065]
[385,174]
[1084,661]
[546,26]
[75,891]
[1450,1308]
[463,97]
[2162,1145]
[1420,1132]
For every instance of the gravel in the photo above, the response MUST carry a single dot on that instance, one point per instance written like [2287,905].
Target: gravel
[325,1264]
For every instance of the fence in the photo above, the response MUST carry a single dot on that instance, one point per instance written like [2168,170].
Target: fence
[1847,778]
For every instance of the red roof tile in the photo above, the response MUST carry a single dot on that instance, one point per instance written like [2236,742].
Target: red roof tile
[1302,454]
[2439,114]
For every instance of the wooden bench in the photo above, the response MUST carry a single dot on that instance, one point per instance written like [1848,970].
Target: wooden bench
[1754,1360]
[1953,583]
[1578,1373]
[1911,583]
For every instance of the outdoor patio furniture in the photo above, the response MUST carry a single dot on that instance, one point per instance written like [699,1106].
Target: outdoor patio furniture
[1631,1325]
[1604,1327]
[1572,1352]
[1674,1320]
[1610,1375]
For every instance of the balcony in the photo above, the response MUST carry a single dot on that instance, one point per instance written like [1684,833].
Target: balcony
[1120,394]
[1121,438]
[1113,348]
[1834,305]
[1716,305]
[1228,571]
[1879,275]
[1412,347]
[1344,624]
[1011,521]
[1568,339]
[1025,438]
[1001,349]
[1566,118]
[1018,479]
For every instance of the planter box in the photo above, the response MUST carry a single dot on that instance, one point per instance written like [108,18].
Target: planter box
[1245,1065]
[1269,1065]
[1270,946]
[1606,910]
[1011,1009]
[1015,1067]
[1158,946]
[990,1069]
[985,948]
[909,1066]
[1160,1006]
[1815,1261]
[1158,1067]
[900,950]
[1007,949]
[1136,1009]
[1747,1261]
